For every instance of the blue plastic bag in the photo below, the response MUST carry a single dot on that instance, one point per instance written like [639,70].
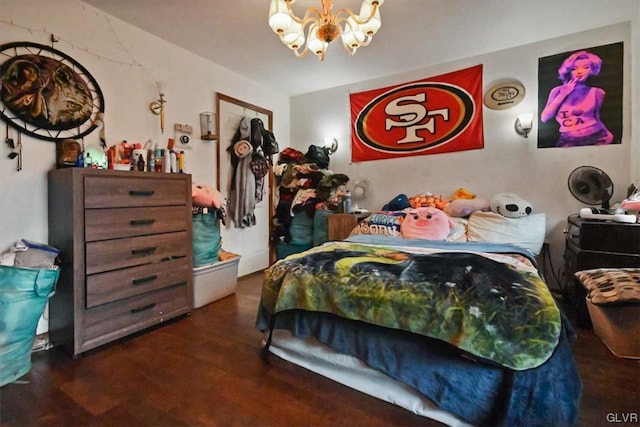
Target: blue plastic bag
[206,238]
[24,293]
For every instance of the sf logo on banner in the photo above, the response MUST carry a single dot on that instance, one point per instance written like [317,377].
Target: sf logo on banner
[412,114]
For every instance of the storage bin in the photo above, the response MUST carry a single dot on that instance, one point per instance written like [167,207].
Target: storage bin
[618,327]
[23,296]
[215,281]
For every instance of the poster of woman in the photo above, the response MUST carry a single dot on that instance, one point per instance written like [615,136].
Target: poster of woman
[580,97]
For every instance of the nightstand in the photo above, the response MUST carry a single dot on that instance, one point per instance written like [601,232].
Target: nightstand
[597,244]
[339,225]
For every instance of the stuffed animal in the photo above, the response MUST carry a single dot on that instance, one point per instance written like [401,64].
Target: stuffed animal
[463,193]
[205,196]
[426,223]
[630,204]
[460,208]
[427,200]
[510,205]
[398,203]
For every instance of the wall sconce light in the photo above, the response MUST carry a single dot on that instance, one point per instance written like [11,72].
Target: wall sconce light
[157,107]
[524,123]
[208,126]
[331,144]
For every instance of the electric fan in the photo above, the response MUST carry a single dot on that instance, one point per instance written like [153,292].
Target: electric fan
[360,191]
[591,186]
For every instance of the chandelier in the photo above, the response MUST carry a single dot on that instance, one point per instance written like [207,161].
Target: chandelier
[319,27]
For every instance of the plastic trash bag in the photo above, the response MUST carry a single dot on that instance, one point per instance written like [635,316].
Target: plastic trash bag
[206,238]
[23,296]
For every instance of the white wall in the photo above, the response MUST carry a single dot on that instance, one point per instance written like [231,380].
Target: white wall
[508,162]
[126,62]
[635,93]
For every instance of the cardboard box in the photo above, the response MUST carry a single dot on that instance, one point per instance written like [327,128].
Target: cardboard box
[215,281]
[618,326]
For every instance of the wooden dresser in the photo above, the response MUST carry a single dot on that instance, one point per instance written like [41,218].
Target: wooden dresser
[126,253]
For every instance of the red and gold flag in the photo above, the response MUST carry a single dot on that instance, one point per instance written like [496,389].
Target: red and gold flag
[434,115]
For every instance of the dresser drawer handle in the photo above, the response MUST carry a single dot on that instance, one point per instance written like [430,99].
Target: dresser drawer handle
[141,192]
[142,280]
[143,308]
[142,221]
[184,282]
[143,251]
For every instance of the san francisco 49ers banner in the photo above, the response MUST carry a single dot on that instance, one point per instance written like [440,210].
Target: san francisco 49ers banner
[434,115]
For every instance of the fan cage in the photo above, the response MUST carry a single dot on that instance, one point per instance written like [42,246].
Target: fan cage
[591,186]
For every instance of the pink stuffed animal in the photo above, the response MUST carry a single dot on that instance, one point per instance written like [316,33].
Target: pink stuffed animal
[460,208]
[205,196]
[426,223]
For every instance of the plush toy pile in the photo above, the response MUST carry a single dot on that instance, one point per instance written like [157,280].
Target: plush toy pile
[505,218]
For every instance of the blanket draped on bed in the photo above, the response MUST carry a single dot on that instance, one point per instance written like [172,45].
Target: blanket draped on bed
[493,306]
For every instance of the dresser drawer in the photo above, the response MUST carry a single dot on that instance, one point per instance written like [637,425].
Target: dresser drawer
[115,285]
[102,224]
[577,259]
[112,192]
[107,255]
[131,314]
[605,236]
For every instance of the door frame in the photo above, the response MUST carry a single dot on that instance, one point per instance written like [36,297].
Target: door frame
[251,108]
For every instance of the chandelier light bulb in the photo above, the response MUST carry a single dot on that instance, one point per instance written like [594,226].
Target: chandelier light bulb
[279,18]
[315,44]
[352,36]
[294,35]
[371,27]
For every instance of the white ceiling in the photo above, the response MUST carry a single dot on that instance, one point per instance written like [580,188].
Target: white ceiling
[414,34]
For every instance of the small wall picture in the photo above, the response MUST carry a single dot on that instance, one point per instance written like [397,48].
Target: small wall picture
[580,97]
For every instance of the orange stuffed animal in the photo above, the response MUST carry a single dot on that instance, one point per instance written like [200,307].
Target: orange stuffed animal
[463,193]
[427,200]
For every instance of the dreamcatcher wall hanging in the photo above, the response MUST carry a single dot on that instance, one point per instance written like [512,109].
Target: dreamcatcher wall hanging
[47,94]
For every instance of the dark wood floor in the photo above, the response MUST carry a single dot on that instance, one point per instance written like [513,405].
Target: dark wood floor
[205,370]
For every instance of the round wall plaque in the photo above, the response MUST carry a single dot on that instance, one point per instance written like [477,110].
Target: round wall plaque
[504,95]
[47,94]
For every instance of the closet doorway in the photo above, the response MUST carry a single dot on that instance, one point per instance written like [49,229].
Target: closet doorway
[252,243]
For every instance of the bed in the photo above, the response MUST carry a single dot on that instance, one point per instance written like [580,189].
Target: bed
[466,333]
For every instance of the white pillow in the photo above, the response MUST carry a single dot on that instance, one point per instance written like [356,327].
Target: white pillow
[527,232]
[459,232]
